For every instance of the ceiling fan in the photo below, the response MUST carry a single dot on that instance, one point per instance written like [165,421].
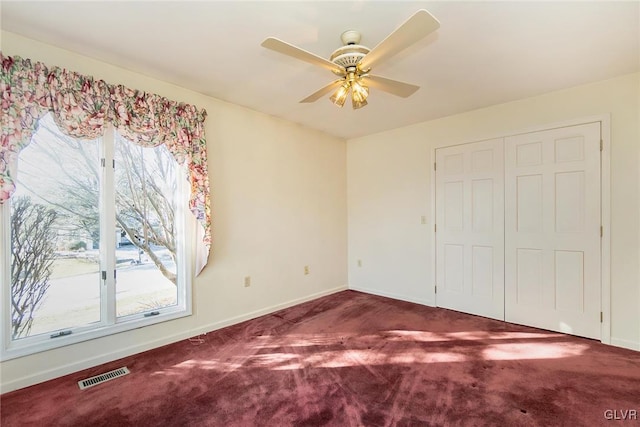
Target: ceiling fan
[353,62]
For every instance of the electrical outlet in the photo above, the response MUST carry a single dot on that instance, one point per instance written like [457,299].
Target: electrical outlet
[247,281]
[359,263]
[306,269]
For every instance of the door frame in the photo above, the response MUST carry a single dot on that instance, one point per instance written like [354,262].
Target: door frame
[605,206]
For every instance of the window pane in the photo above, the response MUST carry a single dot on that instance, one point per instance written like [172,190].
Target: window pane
[55,281]
[146,191]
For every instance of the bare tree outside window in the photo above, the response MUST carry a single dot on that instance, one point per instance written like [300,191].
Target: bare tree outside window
[145,189]
[32,250]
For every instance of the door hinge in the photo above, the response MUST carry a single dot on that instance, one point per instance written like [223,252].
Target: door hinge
[601,317]
[434,165]
[104,275]
[113,163]
[601,231]
[601,145]
[435,228]
[435,289]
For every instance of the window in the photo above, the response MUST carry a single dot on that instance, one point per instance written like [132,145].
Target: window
[95,241]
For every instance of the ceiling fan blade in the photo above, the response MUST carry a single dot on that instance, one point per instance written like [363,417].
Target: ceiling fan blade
[419,25]
[322,92]
[301,54]
[393,87]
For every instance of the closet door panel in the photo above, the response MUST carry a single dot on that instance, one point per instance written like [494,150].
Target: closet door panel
[470,228]
[552,234]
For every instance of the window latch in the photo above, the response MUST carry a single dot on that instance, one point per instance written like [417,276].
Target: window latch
[60,334]
[152,313]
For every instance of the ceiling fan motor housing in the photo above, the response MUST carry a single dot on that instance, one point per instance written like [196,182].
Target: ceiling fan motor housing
[349,56]
[351,53]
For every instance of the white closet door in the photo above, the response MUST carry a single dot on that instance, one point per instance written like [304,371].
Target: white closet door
[552,236]
[470,228]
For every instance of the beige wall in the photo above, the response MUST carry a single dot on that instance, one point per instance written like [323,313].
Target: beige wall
[389,190]
[279,203]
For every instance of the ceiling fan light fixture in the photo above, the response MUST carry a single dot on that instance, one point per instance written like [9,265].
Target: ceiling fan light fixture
[340,96]
[359,92]
[358,104]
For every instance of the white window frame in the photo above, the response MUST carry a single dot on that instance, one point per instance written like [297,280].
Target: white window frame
[109,323]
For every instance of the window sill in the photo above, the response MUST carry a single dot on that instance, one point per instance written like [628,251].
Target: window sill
[37,344]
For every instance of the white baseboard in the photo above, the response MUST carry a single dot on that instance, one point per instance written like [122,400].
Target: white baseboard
[139,348]
[631,345]
[393,295]
[252,315]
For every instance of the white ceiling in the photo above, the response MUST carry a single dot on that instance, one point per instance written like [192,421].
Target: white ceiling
[484,53]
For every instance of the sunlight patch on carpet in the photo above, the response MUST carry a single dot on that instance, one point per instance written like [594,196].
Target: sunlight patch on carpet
[520,351]
[423,336]
[330,359]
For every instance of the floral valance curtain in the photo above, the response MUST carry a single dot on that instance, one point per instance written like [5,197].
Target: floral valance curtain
[82,107]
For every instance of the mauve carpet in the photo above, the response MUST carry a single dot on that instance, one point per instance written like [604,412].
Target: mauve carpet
[351,359]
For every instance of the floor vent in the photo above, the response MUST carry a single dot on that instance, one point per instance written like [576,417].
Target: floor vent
[99,379]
